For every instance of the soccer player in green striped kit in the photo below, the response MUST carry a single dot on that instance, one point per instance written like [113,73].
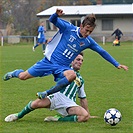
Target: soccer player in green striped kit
[64,102]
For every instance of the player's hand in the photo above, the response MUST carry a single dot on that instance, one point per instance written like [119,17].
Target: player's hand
[123,66]
[93,116]
[59,12]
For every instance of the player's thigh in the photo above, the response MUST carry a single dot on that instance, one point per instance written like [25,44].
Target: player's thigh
[41,103]
[77,110]
[41,68]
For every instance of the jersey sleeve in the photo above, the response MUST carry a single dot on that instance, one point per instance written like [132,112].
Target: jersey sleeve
[60,23]
[81,92]
[40,29]
[97,48]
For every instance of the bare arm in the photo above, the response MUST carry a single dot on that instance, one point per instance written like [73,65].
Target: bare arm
[84,104]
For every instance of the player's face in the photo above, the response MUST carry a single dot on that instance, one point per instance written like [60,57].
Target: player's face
[76,64]
[42,24]
[86,30]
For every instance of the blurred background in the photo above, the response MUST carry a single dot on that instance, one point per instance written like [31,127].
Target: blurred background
[19,19]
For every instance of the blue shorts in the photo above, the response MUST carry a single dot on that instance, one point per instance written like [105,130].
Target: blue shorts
[41,40]
[44,67]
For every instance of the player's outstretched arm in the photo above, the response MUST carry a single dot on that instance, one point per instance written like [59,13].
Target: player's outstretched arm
[123,66]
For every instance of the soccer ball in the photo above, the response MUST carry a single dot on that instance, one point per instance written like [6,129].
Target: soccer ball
[112,116]
[115,41]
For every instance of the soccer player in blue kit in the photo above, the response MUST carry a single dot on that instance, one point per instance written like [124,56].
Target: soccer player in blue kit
[41,37]
[64,101]
[64,47]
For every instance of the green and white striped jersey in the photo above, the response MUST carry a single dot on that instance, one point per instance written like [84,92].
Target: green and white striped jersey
[76,87]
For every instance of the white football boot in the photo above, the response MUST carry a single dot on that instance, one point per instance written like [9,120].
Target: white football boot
[12,117]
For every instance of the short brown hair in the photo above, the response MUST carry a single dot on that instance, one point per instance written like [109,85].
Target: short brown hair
[89,20]
[82,54]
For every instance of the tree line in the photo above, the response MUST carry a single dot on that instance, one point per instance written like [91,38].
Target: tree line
[19,16]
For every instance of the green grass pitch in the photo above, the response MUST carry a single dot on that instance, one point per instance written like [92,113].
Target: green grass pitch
[106,87]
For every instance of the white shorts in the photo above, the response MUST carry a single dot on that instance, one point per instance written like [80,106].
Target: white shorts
[60,103]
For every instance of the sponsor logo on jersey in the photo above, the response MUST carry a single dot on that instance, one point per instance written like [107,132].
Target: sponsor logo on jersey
[82,44]
[73,48]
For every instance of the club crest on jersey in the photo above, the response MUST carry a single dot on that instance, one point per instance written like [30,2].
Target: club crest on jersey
[77,81]
[81,44]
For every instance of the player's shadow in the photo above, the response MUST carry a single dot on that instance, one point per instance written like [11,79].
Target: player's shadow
[112,127]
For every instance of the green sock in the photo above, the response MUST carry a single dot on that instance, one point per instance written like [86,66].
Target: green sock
[25,110]
[68,118]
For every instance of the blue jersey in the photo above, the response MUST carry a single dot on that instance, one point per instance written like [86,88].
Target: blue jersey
[41,31]
[67,44]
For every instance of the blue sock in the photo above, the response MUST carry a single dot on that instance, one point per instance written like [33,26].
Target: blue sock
[60,85]
[16,73]
[35,45]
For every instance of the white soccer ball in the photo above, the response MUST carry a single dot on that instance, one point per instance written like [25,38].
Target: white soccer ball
[112,116]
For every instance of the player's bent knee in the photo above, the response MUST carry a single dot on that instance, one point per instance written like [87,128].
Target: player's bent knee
[35,104]
[72,75]
[83,118]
